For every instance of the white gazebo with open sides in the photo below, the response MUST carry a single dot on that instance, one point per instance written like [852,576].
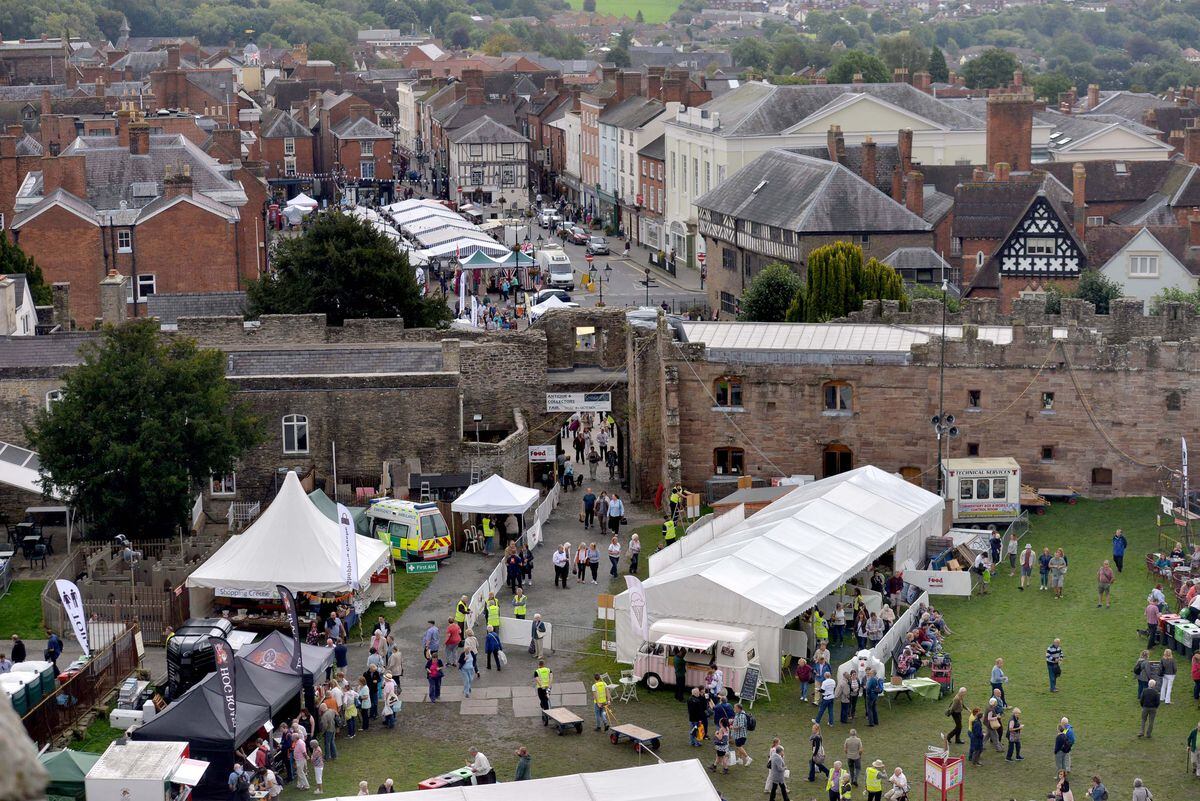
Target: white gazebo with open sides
[495,495]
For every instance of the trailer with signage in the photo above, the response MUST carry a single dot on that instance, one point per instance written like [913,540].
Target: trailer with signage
[983,491]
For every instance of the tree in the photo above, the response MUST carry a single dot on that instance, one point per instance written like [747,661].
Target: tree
[142,424]
[343,268]
[619,56]
[1175,295]
[852,62]
[1097,289]
[839,282]
[992,68]
[501,41]
[789,53]
[902,51]
[938,70]
[1051,85]
[953,305]
[589,6]
[770,293]
[640,19]
[13,260]
[751,53]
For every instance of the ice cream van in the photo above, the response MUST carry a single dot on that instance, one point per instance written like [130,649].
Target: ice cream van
[416,532]
[983,491]
[703,645]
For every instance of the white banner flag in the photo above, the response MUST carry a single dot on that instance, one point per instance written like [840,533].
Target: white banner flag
[1185,475]
[349,547]
[72,602]
[638,613]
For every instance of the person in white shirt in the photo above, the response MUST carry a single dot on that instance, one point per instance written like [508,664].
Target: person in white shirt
[560,560]
[481,769]
[716,683]
[828,690]
[614,555]
[899,784]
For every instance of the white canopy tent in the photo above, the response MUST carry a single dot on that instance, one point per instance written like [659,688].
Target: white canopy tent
[464,248]
[428,225]
[665,781]
[401,206]
[495,495]
[763,571]
[549,304]
[292,543]
[437,237]
[303,201]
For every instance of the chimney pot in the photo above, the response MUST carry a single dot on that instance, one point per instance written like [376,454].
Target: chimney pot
[868,160]
[1001,170]
[857,79]
[904,144]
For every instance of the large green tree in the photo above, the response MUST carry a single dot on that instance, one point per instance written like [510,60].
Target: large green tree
[767,298]
[839,281]
[938,69]
[343,268]
[1097,290]
[903,51]
[990,69]
[752,53]
[13,260]
[854,62]
[143,422]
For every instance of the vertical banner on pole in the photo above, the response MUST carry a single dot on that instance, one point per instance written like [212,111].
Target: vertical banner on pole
[349,547]
[226,680]
[289,608]
[639,615]
[72,602]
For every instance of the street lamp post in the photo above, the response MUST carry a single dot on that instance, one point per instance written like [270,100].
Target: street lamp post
[943,424]
[600,277]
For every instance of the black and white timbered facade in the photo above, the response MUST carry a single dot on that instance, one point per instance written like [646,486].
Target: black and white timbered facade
[1041,244]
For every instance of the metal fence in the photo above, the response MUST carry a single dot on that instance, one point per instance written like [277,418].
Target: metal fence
[84,691]
[1020,526]
[583,640]
[241,513]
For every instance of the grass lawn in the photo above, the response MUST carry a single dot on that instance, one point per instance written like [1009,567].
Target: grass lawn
[21,611]
[1097,691]
[652,10]
[408,588]
[97,737]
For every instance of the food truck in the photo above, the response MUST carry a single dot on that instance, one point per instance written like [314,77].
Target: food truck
[416,532]
[983,491]
[144,770]
[704,645]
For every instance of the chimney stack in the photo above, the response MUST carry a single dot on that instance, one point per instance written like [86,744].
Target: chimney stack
[672,90]
[904,143]
[1191,144]
[475,96]
[8,306]
[1194,230]
[1175,140]
[923,81]
[836,144]
[60,296]
[1018,79]
[227,142]
[900,75]
[176,184]
[1010,130]
[979,175]
[139,138]
[1079,197]
[1001,171]
[629,84]
[173,57]
[914,198]
[897,184]
[552,85]
[114,298]
[608,73]
[1093,95]
[868,160]
[857,79]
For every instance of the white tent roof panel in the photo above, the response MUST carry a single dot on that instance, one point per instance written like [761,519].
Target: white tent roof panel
[495,495]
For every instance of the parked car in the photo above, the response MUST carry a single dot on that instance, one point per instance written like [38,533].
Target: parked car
[546,294]
[597,246]
[579,235]
[563,227]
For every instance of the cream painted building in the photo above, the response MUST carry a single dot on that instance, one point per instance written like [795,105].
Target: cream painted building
[406,117]
[1147,260]
[707,143]
[569,124]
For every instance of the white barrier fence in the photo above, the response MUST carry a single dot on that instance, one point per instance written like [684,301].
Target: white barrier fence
[940,582]
[883,651]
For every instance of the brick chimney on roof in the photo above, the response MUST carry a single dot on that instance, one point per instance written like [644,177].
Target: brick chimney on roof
[629,84]
[904,143]
[227,144]
[836,144]
[472,77]
[914,193]
[552,85]
[1001,171]
[1093,95]
[857,78]
[923,81]
[1010,130]
[1194,230]
[173,57]
[868,160]
[1079,197]
[900,75]
[475,96]
[177,183]
[139,138]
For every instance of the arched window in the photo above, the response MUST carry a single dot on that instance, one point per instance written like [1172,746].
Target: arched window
[295,433]
[979,260]
[53,397]
[838,396]
[728,391]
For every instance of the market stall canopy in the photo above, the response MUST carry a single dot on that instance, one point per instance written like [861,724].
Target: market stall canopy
[431,238]
[303,200]
[292,543]
[507,262]
[198,717]
[328,507]
[549,304]
[67,770]
[274,652]
[266,686]
[437,222]
[464,248]
[665,781]
[495,495]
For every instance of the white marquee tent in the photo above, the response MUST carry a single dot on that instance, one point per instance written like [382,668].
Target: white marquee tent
[666,781]
[304,201]
[761,572]
[292,543]
[495,495]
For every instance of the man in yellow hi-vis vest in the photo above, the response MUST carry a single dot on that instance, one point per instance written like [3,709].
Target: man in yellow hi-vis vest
[543,678]
[668,531]
[519,600]
[875,781]
[493,612]
[462,610]
[600,701]
[674,499]
[489,536]
[820,627]
[838,784]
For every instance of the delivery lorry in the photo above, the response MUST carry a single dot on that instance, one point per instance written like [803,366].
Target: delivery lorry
[983,491]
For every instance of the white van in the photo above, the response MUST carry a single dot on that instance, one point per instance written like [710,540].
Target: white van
[556,267]
[983,490]
[704,645]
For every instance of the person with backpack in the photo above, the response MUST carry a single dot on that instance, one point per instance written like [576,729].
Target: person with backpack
[1097,792]
[1063,742]
[434,672]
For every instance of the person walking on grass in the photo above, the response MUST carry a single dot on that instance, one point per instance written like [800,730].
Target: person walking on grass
[875,773]
[998,678]
[827,692]
[778,774]
[1141,792]
[1028,557]
[1104,582]
[317,757]
[1167,673]
[738,731]
[1097,792]
[721,745]
[1011,546]
[1015,727]
[816,759]
[955,712]
[975,736]
[635,551]
[614,555]
[1044,568]
[1062,747]
[1119,544]
[1054,658]
[1141,671]
[1150,700]
[524,765]
[600,701]
[993,723]
[1058,573]
[852,748]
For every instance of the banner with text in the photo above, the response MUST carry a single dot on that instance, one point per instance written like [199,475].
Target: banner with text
[349,547]
[289,608]
[578,402]
[226,680]
[72,602]
[940,582]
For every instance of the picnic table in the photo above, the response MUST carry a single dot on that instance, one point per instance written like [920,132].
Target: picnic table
[564,720]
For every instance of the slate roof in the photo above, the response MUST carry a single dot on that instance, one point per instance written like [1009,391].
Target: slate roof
[1154,210]
[632,112]
[140,64]
[1174,118]
[886,159]
[277,124]
[1130,105]
[57,350]
[1106,241]
[1188,194]
[20,286]
[656,149]
[333,361]
[990,209]
[486,131]
[359,128]
[807,195]
[218,84]
[917,259]
[758,109]
[1139,181]
[169,307]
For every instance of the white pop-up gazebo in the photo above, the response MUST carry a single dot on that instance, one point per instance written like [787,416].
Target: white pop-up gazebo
[760,573]
[495,495]
[292,543]
[303,201]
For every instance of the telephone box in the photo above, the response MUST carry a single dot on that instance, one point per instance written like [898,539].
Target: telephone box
[943,774]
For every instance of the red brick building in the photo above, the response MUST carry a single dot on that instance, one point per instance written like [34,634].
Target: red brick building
[362,149]
[150,208]
[651,198]
[285,146]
